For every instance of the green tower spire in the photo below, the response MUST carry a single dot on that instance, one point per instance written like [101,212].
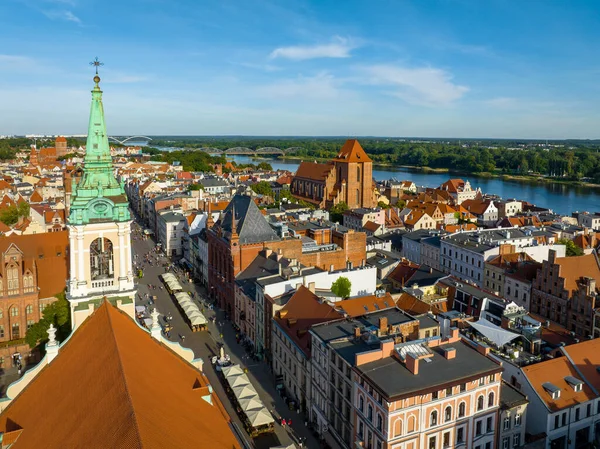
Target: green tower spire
[98,197]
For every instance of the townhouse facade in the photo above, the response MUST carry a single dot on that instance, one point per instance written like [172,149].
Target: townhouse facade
[407,396]
[565,291]
[333,349]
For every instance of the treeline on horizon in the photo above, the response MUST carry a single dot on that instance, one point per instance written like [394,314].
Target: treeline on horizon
[575,160]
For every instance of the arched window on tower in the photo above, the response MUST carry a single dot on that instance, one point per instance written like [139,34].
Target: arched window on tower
[358,173]
[101,259]
[13,280]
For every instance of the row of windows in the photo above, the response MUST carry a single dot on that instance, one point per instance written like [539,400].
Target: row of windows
[14,311]
[508,420]
[433,417]
[516,441]
[560,420]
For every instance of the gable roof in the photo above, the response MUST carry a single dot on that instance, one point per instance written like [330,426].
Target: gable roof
[554,372]
[303,310]
[251,225]
[572,269]
[113,383]
[36,197]
[453,185]
[352,152]
[314,171]
[415,306]
[356,307]
[477,207]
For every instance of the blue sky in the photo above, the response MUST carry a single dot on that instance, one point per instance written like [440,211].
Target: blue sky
[453,68]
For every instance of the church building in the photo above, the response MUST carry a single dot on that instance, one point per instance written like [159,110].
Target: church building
[99,227]
[347,178]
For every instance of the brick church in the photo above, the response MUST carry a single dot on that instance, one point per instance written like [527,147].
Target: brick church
[49,155]
[242,232]
[347,178]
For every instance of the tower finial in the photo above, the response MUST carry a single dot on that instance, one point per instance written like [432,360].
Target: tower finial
[96,63]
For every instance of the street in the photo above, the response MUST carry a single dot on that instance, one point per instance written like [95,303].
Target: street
[205,344]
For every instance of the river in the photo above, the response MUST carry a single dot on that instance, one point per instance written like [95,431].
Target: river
[560,198]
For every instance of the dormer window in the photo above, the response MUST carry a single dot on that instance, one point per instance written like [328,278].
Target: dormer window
[552,390]
[575,383]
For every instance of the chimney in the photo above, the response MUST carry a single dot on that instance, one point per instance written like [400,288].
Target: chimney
[551,257]
[357,332]
[331,268]
[311,286]
[383,324]
[483,349]
[387,348]
[449,353]
[412,363]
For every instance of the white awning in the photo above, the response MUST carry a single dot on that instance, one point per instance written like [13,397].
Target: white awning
[238,381]
[251,404]
[190,308]
[244,391]
[233,370]
[259,417]
[494,333]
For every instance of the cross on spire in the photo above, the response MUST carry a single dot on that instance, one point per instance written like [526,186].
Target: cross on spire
[96,63]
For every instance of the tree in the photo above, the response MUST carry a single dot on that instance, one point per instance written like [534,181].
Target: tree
[341,287]
[57,313]
[265,166]
[383,205]
[262,188]
[23,209]
[286,194]
[336,213]
[400,204]
[572,249]
[9,215]
[196,187]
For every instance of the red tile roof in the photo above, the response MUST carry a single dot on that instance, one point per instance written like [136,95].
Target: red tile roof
[314,171]
[113,385]
[572,269]
[352,152]
[303,310]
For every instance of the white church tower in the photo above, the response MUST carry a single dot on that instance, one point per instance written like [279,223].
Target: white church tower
[99,228]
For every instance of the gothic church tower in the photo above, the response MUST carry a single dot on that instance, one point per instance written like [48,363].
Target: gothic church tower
[99,226]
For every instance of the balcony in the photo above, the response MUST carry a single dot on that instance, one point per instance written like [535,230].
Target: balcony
[103,283]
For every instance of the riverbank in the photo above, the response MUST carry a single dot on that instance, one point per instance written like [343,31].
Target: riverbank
[531,179]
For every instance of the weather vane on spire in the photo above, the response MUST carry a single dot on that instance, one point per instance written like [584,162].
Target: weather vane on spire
[96,63]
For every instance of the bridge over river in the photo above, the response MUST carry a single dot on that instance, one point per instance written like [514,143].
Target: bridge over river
[250,152]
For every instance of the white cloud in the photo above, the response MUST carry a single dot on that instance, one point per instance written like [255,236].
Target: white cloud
[63,15]
[321,86]
[339,48]
[424,86]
